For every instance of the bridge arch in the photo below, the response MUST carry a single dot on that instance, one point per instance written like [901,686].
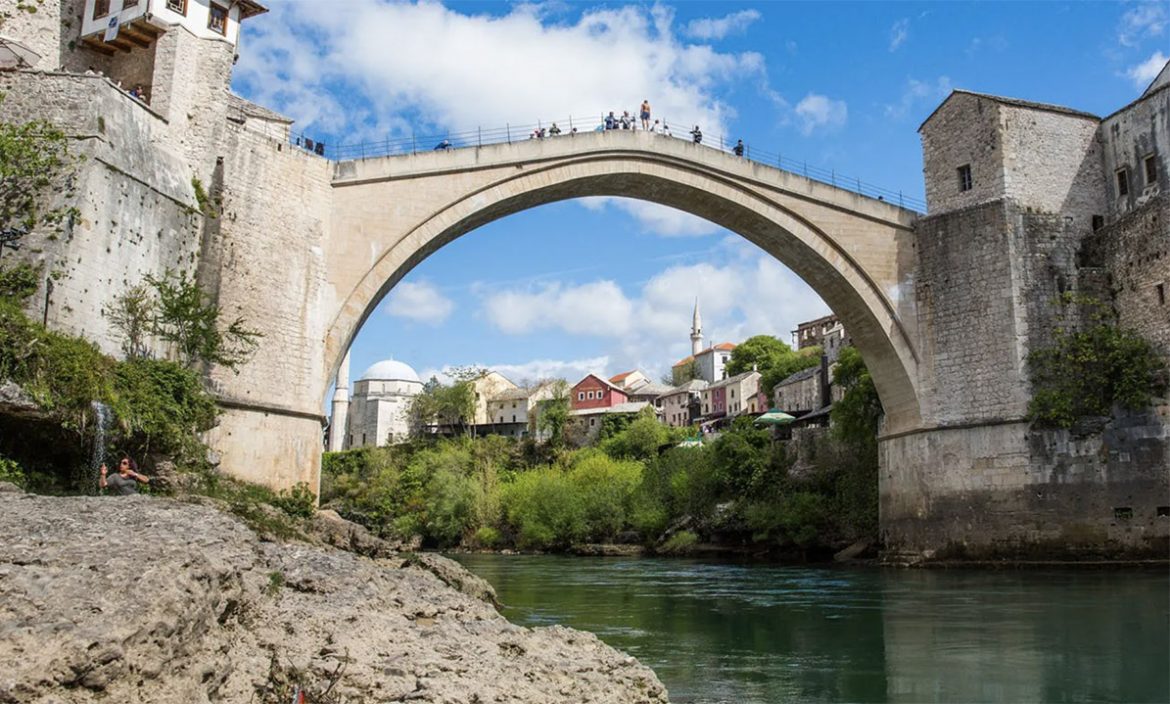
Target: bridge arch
[853,251]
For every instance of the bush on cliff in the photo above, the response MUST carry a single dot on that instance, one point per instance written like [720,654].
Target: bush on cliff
[1085,373]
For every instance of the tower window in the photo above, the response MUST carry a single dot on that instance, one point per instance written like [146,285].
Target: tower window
[180,6]
[1151,165]
[217,19]
[1122,182]
[965,182]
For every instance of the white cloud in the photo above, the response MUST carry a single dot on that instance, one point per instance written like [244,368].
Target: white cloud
[719,27]
[1148,19]
[598,308]
[916,93]
[899,33]
[818,111]
[532,371]
[419,301]
[1144,73]
[429,66]
[746,292]
[654,218]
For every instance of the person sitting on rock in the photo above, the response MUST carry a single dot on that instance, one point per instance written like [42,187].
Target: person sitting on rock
[124,483]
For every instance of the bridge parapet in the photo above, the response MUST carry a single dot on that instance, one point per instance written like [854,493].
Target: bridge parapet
[853,196]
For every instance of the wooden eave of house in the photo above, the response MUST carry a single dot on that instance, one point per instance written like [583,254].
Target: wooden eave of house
[139,33]
[250,8]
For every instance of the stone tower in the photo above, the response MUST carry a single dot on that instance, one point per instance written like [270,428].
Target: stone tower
[696,330]
[340,415]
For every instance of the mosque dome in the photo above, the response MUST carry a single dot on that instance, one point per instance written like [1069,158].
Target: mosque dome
[390,370]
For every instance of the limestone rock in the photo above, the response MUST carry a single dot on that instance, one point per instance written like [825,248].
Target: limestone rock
[10,488]
[140,599]
[331,529]
[15,401]
[455,576]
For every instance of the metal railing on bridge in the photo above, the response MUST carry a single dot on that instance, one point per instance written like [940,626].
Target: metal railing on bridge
[571,126]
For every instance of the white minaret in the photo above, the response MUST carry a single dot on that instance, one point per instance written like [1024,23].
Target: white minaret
[696,330]
[337,423]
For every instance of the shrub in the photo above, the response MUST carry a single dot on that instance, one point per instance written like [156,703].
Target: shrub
[298,502]
[545,508]
[487,537]
[11,471]
[680,543]
[1085,373]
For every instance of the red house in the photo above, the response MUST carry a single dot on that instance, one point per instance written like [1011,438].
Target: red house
[595,392]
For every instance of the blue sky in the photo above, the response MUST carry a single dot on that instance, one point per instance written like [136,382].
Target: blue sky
[607,285]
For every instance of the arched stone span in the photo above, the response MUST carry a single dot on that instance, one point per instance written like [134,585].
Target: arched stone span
[854,251]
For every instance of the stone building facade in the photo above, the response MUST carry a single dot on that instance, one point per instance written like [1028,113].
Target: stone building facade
[379,408]
[1025,205]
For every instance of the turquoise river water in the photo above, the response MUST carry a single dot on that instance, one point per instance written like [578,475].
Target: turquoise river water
[755,634]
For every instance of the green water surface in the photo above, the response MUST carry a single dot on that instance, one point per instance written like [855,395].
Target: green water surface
[756,634]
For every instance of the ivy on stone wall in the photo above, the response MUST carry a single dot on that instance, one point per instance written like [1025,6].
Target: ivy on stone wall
[1086,372]
[34,160]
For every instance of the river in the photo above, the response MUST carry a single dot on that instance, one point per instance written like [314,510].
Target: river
[755,634]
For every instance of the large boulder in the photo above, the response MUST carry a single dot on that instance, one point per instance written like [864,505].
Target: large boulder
[141,599]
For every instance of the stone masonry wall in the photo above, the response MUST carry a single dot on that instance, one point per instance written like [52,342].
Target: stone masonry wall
[1006,491]
[1134,252]
[964,130]
[973,333]
[1127,138]
[137,209]
[1052,164]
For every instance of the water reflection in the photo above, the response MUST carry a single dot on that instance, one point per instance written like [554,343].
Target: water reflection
[748,634]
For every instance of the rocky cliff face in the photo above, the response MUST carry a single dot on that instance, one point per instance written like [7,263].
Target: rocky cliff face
[139,599]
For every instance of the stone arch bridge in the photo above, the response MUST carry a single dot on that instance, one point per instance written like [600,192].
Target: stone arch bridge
[307,247]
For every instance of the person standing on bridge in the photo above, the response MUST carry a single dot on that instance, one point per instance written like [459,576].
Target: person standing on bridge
[697,135]
[738,148]
[645,114]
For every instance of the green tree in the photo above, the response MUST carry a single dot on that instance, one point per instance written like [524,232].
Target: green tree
[188,318]
[1086,372]
[682,373]
[34,162]
[553,414]
[133,314]
[855,418]
[774,359]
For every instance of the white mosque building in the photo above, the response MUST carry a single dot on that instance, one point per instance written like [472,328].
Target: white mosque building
[379,411]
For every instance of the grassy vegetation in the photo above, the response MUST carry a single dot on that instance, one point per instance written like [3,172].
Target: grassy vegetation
[494,492]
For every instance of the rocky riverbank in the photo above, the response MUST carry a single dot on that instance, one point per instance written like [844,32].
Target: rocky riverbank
[139,599]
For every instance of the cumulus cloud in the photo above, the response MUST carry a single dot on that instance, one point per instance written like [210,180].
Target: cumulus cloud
[916,93]
[536,370]
[1144,73]
[709,28]
[419,301]
[654,218]
[816,112]
[1148,19]
[899,32]
[598,308]
[366,68]
[743,292]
